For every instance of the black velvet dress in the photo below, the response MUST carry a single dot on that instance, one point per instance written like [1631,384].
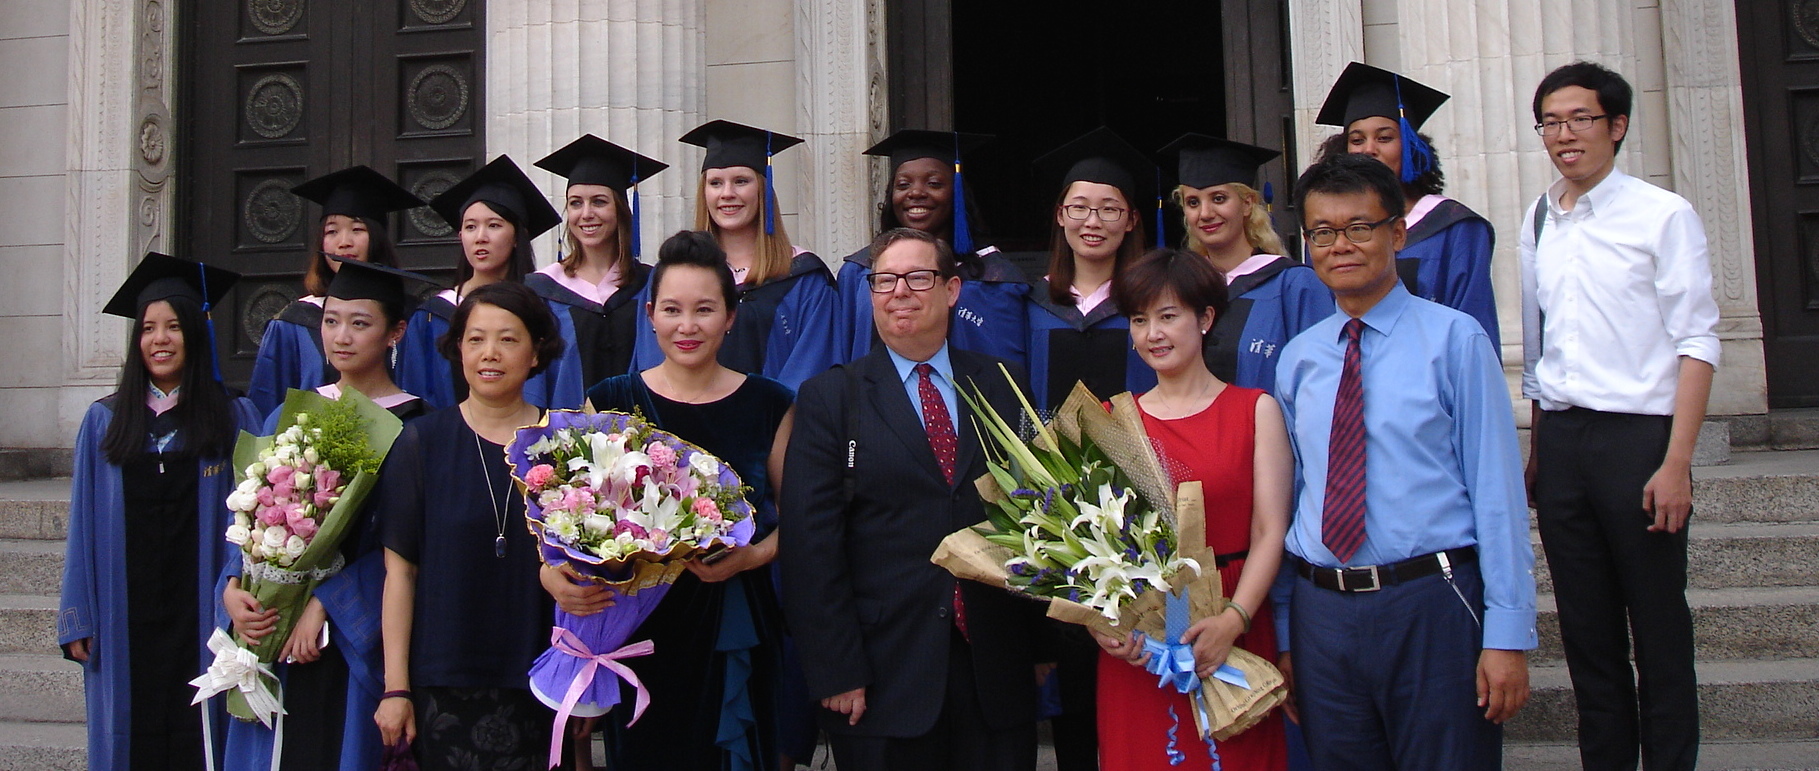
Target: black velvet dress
[160,496]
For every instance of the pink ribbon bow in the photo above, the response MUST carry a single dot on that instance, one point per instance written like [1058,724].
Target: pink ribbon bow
[566,641]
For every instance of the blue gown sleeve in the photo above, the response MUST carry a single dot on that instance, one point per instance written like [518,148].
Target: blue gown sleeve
[802,338]
[76,617]
[645,351]
[1305,301]
[421,369]
[284,362]
[559,386]
[1467,287]
[853,317]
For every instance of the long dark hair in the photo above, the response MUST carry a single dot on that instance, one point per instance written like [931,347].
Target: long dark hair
[1061,256]
[622,240]
[204,411]
[379,251]
[523,261]
[1431,182]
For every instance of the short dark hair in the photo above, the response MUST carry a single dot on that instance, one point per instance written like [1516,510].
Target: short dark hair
[1615,96]
[518,300]
[1350,173]
[1431,182]
[524,258]
[1189,276]
[696,248]
[944,254]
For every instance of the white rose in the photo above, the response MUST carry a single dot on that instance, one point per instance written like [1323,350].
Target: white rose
[302,418]
[598,523]
[301,481]
[254,473]
[273,538]
[294,546]
[704,466]
[243,519]
[240,501]
[237,534]
[311,457]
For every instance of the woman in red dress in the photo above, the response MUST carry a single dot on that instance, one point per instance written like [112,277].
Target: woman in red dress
[1232,441]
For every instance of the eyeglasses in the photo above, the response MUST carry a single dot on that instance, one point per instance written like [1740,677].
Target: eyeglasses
[1079,211]
[918,281]
[1357,232]
[1578,123]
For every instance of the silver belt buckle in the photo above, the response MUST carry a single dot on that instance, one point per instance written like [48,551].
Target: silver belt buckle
[1376,580]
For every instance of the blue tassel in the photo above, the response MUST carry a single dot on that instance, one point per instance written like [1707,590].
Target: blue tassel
[963,228]
[770,191]
[1159,198]
[1269,197]
[1417,156]
[214,360]
[635,240]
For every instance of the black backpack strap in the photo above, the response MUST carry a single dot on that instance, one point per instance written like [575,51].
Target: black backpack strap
[1540,217]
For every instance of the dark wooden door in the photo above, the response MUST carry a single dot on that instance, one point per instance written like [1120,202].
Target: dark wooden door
[279,91]
[1149,69]
[1780,63]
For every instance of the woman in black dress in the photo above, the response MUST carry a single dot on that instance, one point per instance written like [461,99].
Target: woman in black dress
[463,613]
[718,632]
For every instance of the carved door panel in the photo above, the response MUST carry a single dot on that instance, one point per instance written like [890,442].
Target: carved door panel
[1780,63]
[279,91]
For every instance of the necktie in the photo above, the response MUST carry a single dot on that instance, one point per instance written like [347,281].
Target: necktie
[941,439]
[1342,523]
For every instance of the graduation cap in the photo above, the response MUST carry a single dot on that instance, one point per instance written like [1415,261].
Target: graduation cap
[591,160]
[1103,157]
[1363,91]
[944,146]
[500,185]
[736,144]
[357,191]
[1203,161]
[356,280]
[163,277]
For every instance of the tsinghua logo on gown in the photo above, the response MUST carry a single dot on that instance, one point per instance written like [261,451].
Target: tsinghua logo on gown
[969,316]
[1265,347]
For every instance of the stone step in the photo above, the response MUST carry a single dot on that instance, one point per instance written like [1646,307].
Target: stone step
[35,509]
[31,567]
[28,624]
[1781,486]
[49,746]
[1794,429]
[40,689]
[1713,756]
[35,463]
[1738,700]
[1726,556]
[1728,624]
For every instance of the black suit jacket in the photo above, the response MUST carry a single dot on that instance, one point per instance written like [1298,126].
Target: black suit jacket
[864,604]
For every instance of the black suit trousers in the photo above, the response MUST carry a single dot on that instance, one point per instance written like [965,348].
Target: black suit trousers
[961,740]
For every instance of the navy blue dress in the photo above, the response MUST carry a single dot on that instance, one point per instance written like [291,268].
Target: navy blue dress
[720,659]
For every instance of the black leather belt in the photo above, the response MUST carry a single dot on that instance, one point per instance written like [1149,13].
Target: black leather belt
[1375,577]
[1221,560]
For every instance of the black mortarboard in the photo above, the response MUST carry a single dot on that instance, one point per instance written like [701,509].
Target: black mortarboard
[500,184]
[161,277]
[1104,157]
[591,160]
[943,146]
[1202,161]
[1363,91]
[356,280]
[357,192]
[736,144]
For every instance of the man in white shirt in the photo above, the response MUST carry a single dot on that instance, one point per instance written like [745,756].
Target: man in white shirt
[1618,353]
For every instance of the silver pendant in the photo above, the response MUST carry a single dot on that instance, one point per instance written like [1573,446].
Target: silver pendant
[499,547]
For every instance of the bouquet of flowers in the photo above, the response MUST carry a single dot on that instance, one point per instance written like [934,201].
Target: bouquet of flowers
[624,504]
[1085,517]
[300,492]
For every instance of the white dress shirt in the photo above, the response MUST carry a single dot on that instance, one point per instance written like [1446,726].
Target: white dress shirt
[1617,290]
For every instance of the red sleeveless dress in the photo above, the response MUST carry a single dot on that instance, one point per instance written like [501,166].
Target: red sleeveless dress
[1215,447]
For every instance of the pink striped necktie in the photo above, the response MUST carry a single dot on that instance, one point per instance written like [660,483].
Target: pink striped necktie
[1342,523]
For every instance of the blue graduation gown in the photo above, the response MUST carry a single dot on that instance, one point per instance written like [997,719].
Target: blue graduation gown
[95,580]
[988,318]
[1065,347]
[598,338]
[422,370]
[786,330]
[1447,259]
[1268,308]
[290,356]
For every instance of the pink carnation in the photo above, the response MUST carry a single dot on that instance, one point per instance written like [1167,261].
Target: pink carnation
[539,475]
[662,455]
[280,475]
[267,497]
[271,515]
[327,479]
[705,508]
[578,500]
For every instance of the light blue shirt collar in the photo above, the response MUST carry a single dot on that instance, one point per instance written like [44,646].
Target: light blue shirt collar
[940,361]
[944,382]
[1383,316]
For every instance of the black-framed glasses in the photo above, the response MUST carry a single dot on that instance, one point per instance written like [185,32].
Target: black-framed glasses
[886,283]
[1357,232]
[1080,211]
[1578,123]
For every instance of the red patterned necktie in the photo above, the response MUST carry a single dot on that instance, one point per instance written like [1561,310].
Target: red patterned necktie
[1342,523]
[941,439]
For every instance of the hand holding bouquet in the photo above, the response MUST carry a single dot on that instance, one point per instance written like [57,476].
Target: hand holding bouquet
[621,503]
[300,492]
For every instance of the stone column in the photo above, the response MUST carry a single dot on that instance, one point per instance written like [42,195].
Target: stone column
[630,71]
[841,100]
[1705,116]
[1324,36]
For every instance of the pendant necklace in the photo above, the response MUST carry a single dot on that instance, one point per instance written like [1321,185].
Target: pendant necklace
[492,498]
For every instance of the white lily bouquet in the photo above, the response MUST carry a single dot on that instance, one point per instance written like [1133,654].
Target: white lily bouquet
[299,495]
[1085,516]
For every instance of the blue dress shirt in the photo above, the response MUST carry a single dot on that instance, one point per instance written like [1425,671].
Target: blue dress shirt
[1442,465]
[943,377]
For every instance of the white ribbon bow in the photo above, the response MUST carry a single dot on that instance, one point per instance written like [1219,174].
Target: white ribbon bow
[237,667]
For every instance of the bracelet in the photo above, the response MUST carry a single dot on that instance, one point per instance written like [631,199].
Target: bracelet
[402,694]
[1242,613]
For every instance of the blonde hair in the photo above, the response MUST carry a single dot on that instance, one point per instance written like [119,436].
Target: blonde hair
[774,250]
[622,240]
[1258,230]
